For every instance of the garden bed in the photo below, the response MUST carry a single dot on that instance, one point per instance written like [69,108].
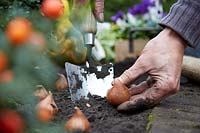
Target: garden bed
[104,118]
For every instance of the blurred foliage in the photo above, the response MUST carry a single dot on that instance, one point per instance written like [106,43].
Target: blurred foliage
[111,6]
[108,38]
[167,4]
[29,3]
[31,67]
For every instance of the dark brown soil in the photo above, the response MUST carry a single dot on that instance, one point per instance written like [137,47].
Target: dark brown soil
[104,118]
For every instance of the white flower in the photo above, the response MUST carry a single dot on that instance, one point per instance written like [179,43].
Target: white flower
[121,23]
[102,26]
[132,19]
[97,51]
[146,16]
[156,11]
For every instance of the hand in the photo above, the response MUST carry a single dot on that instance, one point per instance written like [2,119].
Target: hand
[99,9]
[162,60]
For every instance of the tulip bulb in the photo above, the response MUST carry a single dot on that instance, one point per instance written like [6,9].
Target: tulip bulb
[46,109]
[118,94]
[61,83]
[41,92]
[78,122]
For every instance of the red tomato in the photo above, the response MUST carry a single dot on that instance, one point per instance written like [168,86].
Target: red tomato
[52,8]
[3,61]
[18,31]
[11,122]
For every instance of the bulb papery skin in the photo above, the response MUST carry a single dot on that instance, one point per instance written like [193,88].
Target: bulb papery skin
[78,122]
[46,109]
[61,83]
[41,92]
[118,94]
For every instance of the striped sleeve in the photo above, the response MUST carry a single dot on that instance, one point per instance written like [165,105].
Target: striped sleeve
[184,18]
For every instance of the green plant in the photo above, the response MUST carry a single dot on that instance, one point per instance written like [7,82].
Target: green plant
[149,124]
[145,14]
[28,65]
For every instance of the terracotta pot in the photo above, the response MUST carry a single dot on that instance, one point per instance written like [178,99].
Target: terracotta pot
[122,49]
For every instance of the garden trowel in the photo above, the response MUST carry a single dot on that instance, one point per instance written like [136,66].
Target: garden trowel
[89,79]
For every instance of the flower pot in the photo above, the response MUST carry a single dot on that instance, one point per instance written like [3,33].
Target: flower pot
[122,49]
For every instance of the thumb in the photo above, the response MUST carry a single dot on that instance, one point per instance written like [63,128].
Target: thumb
[132,73]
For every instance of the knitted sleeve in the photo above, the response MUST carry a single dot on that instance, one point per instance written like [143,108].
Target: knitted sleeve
[184,18]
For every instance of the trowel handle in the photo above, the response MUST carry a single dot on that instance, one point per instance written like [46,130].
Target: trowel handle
[89,27]
[190,68]
[90,23]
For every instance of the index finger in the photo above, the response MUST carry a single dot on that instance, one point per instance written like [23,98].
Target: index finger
[137,102]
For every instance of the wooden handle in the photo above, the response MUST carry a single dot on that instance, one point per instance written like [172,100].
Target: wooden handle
[191,68]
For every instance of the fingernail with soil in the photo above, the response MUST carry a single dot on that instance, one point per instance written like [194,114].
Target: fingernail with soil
[136,105]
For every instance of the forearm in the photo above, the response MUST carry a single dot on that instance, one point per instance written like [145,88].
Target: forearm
[184,18]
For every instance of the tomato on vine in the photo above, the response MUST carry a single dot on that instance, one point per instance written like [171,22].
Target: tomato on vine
[18,31]
[52,8]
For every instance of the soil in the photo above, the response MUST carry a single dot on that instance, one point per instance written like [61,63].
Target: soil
[103,117]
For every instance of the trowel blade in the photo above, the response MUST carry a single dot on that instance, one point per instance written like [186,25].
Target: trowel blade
[84,81]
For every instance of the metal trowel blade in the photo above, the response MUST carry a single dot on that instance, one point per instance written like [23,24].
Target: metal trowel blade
[89,80]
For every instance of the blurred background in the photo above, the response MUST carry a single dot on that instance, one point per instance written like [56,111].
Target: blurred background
[52,41]
[111,6]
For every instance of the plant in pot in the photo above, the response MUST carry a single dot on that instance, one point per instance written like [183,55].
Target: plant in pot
[143,15]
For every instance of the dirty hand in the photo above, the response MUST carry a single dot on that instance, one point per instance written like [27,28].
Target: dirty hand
[162,60]
[99,9]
